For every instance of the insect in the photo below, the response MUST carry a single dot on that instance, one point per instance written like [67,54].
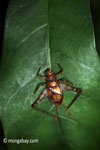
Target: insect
[54,90]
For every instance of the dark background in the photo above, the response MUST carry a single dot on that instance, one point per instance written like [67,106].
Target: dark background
[95,10]
[3,9]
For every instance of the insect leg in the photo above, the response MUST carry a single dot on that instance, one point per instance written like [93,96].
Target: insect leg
[56,112]
[60,71]
[41,97]
[67,81]
[38,74]
[66,109]
[38,86]
[79,92]
[66,87]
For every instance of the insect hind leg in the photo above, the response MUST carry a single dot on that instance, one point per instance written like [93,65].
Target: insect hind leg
[41,97]
[66,87]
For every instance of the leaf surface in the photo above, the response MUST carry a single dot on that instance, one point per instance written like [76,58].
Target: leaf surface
[41,32]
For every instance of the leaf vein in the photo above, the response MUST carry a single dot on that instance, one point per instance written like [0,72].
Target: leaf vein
[30,34]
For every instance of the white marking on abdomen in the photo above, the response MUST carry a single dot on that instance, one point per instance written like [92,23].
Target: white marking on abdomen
[56,90]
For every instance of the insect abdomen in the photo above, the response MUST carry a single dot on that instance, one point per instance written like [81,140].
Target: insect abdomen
[55,93]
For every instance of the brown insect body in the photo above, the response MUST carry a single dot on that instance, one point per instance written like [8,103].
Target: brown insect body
[53,89]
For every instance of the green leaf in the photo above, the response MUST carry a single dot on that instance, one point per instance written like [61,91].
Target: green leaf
[39,32]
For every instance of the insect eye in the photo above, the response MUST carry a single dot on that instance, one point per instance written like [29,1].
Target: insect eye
[47,71]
